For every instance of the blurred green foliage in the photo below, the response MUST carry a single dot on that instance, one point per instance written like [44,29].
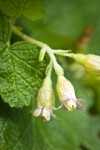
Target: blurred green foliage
[31,9]
[62,26]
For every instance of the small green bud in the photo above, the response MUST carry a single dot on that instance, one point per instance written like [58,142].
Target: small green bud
[45,100]
[42,54]
[66,93]
[90,62]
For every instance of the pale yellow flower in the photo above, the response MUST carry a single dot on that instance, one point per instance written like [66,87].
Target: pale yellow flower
[66,93]
[90,62]
[45,100]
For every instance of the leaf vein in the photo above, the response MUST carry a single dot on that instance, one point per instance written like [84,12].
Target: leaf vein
[14,73]
[24,61]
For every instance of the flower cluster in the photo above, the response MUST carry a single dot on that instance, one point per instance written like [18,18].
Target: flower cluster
[65,89]
[46,100]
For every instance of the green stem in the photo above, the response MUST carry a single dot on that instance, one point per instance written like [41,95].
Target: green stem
[27,38]
[49,69]
[63,53]
[57,67]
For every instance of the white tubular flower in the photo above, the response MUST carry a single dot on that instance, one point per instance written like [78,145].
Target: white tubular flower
[45,100]
[66,93]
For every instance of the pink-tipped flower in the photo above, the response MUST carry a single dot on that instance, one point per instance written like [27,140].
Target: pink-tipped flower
[66,93]
[45,100]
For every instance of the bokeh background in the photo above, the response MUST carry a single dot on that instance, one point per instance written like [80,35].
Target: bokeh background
[66,24]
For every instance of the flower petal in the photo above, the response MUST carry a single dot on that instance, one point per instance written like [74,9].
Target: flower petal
[46,114]
[79,104]
[37,112]
[70,104]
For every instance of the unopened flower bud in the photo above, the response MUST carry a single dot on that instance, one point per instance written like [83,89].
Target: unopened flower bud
[90,62]
[42,54]
[45,100]
[67,95]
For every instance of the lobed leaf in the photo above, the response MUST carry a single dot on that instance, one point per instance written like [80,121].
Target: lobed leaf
[20,73]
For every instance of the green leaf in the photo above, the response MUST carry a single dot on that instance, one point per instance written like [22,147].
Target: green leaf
[75,130]
[32,9]
[5,29]
[20,73]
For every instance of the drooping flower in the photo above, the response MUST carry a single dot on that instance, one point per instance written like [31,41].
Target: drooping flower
[45,100]
[66,93]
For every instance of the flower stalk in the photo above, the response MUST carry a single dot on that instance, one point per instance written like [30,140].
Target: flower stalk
[45,48]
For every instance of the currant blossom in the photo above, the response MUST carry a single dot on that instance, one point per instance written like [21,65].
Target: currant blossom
[45,100]
[90,62]
[66,93]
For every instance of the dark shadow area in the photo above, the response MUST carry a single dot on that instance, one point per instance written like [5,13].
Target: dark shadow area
[93,111]
[83,147]
[14,114]
[98,135]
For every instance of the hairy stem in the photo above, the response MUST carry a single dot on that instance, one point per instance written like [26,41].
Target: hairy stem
[57,67]
[27,38]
